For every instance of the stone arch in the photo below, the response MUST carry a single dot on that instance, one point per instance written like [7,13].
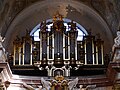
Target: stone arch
[74,10]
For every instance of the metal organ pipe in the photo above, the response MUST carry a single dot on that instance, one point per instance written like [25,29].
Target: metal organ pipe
[93,52]
[19,56]
[96,55]
[68,47]
[48,47]
[14,55]
[23,53]
[102,54]
[31,53]
[40,47]
[99,51]
[85,54]
[75,49]
[65,46]
[53,46]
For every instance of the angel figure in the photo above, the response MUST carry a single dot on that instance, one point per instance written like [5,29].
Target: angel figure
[117,39]
[1,40]
[45,85]
[3,56]
[73,84]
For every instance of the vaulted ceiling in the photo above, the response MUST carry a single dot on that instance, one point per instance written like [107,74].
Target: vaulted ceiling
[99,16]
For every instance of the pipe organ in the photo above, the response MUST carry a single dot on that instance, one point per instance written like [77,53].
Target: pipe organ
[58,46]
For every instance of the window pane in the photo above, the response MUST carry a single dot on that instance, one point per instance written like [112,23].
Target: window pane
[79,29]
[36,38]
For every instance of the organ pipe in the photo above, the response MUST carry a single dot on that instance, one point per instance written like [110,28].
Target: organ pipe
[85,54]
[14,55]
[93,52]
[40,47]
[19,56]
[23,57]
[31,46]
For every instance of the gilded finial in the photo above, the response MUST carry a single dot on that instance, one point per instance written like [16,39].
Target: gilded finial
[57,16]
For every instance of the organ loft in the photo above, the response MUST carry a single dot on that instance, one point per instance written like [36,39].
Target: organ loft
[58,51]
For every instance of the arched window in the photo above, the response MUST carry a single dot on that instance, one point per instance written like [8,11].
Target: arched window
[81,31]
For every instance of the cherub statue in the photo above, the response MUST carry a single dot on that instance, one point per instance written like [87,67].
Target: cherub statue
[73,84]
[117,39]
[2,51]
[1,40]
[46,85]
